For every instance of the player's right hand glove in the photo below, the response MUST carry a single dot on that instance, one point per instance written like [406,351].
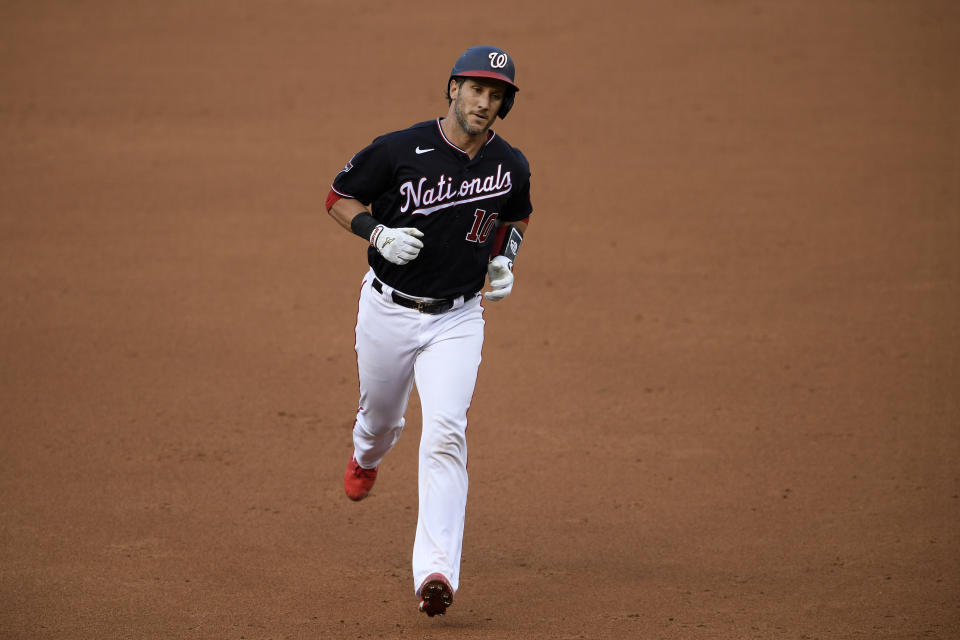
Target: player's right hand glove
[399,246]
[500,271]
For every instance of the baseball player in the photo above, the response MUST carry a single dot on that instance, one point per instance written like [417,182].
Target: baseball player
[443,205]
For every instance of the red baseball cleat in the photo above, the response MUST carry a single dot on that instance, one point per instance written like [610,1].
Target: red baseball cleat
[358,481]
[435,594]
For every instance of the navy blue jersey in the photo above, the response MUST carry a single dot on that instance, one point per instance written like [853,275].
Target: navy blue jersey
[418,178]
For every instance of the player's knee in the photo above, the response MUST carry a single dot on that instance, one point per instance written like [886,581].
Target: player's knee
[446,441]
[376,425]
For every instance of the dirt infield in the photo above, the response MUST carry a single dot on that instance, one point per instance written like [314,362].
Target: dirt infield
[722,401]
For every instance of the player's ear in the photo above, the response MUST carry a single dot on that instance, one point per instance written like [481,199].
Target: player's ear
[453,86]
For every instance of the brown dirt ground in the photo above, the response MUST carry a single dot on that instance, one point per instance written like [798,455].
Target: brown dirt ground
[721,403]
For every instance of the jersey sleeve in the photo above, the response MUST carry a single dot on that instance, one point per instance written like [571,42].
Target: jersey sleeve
[519,206]
[368,174]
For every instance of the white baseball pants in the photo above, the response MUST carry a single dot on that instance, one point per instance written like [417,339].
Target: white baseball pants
[396,347]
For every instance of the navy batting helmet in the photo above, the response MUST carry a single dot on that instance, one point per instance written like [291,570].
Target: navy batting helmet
[488,62]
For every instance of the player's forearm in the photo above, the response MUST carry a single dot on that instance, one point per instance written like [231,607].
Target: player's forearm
[345,210]
[503,230]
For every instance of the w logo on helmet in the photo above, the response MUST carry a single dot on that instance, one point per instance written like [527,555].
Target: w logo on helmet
[497,60]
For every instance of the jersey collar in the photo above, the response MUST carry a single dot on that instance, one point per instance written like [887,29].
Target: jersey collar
[491,134]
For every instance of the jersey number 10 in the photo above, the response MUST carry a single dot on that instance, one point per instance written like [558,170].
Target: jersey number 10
[482,225]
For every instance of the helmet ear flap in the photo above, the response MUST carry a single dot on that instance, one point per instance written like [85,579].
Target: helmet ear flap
[507,104]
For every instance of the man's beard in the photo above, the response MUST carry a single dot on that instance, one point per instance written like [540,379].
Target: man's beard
[465,124]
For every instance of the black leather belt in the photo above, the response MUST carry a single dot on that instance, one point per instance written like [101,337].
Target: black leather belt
[423,306]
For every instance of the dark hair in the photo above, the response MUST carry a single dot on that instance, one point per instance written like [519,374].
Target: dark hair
[460,80]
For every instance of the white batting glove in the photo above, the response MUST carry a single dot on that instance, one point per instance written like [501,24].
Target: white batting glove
[399,246]
[500,271]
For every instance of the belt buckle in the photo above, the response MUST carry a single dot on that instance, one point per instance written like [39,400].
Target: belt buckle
[422,306]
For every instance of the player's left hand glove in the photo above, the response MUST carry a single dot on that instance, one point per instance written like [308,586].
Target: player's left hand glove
[500,271]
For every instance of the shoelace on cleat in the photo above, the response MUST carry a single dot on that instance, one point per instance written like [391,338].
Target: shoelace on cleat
[360,472]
